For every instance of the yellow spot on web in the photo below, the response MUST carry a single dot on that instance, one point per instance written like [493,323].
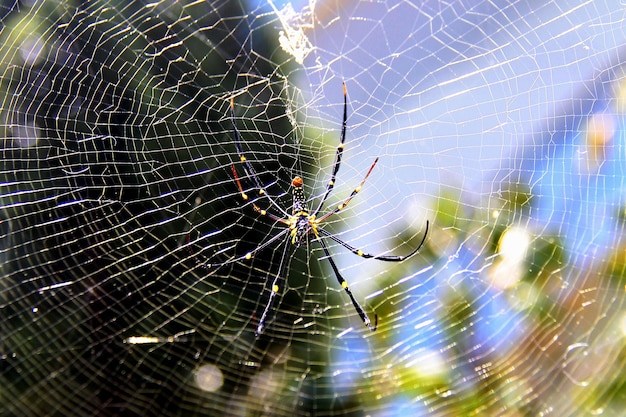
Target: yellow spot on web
[249,255]
[341,206]
[263,212]
[357,189]
[242,158]
[331,182]
[275,288]
[261,192]
[359,252]
[244,196]
[344,285]
[340,146]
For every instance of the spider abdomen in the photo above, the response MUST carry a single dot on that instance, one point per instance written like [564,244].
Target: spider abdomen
[299,199]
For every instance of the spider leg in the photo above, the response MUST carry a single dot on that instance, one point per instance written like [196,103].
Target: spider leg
[250,172]
[338,155]
[344,285]
[359,252]
[261,326]
[250,254]
[350,197]
[244,196]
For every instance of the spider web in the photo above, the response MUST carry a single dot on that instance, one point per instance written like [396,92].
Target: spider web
[499,122]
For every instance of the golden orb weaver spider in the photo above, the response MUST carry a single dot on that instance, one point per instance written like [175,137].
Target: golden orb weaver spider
[301,224]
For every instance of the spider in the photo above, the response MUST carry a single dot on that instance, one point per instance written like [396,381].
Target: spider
[302,224]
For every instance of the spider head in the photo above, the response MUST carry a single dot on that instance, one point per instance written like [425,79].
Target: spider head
[302,225]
